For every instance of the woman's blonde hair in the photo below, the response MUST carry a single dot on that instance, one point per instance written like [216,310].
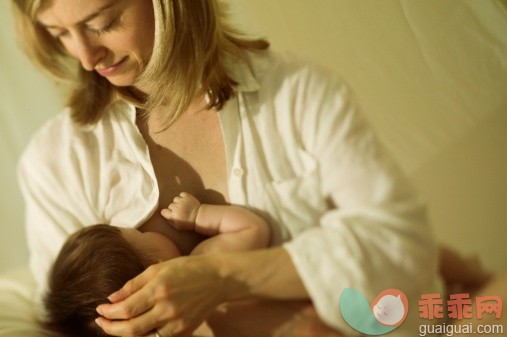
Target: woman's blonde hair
[193,42]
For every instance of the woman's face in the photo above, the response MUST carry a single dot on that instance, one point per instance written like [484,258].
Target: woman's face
[152,247]
[112,37]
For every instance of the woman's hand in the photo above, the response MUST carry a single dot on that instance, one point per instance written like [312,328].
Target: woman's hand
[173,297]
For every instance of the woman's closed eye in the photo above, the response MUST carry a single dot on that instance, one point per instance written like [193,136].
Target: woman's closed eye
[96,28]
[109,26]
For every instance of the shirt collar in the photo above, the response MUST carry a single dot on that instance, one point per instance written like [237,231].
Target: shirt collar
[131,112]
[241,72]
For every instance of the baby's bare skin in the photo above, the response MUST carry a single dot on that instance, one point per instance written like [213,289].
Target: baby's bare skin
[229,228]
[182,212]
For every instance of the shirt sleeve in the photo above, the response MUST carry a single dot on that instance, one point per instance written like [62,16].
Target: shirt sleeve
[56,205]
[374,235]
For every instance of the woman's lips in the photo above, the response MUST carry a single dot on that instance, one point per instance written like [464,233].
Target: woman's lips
[112,70]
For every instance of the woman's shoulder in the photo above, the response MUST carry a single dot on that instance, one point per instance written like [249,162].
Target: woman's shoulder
[47,137]
[58,137]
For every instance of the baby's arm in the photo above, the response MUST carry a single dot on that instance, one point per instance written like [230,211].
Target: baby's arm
[231,228]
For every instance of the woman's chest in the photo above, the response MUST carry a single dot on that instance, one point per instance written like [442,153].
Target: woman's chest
[189,157]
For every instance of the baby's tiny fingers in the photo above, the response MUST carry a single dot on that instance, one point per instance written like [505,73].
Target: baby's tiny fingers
[167,213]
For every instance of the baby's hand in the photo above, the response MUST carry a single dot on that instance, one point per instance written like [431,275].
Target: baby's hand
[182,212]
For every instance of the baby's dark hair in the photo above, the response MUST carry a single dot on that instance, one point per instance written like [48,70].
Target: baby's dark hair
[92,264]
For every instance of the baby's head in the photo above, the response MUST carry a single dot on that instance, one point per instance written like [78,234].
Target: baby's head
[92,264]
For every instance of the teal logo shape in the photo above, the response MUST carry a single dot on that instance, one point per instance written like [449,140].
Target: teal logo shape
[386,313]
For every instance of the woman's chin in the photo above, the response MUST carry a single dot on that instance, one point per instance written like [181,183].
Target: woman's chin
[120,81]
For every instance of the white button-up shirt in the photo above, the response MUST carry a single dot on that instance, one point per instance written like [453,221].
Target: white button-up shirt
[297,149]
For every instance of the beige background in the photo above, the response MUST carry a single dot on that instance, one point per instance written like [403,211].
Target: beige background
[431,76]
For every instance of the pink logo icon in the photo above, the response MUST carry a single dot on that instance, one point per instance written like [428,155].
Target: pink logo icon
[390,307]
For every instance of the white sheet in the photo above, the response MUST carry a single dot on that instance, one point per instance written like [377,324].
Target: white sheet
[16,314]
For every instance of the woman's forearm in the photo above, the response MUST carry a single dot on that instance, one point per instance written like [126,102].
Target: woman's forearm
[267,273]
[182,292]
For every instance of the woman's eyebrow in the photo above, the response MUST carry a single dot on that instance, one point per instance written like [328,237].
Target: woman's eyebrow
[90,16]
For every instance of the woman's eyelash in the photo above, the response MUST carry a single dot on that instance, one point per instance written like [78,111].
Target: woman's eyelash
[107,28]
[99,31]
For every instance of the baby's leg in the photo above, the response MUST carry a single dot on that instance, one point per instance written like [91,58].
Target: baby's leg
[497,286]
[269,319]
[466,275]
[461,273]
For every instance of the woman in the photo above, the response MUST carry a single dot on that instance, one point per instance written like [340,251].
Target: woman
[169,98]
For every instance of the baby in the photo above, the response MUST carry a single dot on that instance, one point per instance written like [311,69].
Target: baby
[98,260]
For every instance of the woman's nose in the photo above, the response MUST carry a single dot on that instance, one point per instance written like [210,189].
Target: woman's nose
[88,52]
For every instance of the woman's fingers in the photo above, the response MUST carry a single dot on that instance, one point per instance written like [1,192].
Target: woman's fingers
[146,324]
[168,296]
[133,306]
[133,286]
[130,308]
[131,300]
[138,326]
[128,289]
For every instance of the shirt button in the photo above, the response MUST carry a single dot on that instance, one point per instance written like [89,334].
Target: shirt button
[238,172]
